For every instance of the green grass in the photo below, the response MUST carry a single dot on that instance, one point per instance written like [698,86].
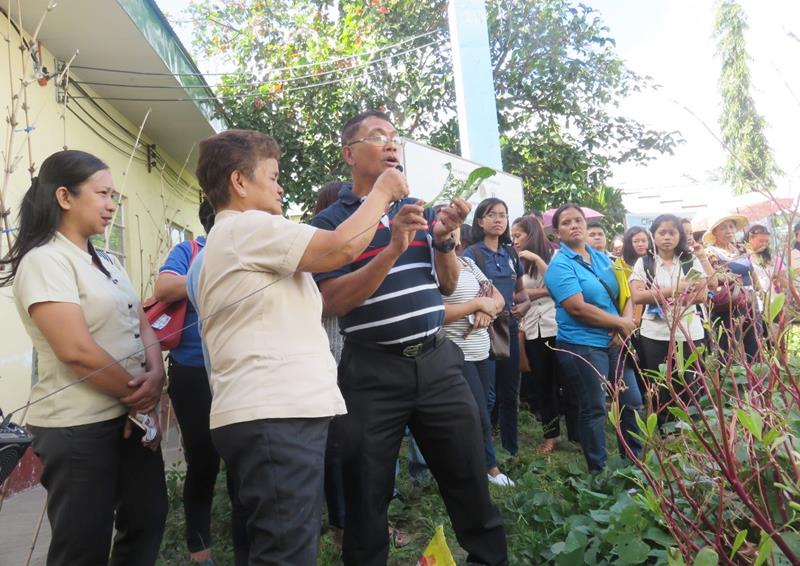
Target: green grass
[420,509]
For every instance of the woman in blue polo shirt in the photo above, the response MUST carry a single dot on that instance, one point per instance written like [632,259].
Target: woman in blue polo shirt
[581,280]
[190,394]
[495,256]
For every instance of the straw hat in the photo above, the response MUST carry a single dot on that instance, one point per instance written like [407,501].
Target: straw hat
[716,219]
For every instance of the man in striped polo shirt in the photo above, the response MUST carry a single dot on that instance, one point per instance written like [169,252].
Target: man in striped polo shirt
[397,369]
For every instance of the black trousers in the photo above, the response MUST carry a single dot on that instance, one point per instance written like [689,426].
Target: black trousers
[190,394]
[384,393]
[653,353]
[743,330]
[548,386]
[97,481]
[279,467]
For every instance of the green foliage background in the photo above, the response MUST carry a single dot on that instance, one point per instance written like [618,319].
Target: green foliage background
[749,164]
[557,77]
[556,514]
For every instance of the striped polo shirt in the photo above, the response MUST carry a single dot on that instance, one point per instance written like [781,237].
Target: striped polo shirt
[407,307]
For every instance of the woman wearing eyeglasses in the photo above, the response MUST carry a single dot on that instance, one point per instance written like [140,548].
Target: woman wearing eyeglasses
[495,256]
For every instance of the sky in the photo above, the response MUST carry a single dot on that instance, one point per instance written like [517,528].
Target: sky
[671,41]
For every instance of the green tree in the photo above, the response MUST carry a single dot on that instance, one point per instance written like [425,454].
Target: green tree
[557,77]
[749,164]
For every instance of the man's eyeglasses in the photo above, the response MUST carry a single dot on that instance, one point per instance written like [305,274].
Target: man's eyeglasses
[378,140]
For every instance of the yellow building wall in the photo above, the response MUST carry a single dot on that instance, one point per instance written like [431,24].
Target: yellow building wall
[151,202]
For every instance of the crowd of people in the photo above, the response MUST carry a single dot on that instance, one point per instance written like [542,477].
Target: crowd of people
[311,350]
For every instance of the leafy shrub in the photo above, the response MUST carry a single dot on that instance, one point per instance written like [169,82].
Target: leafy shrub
[724,475]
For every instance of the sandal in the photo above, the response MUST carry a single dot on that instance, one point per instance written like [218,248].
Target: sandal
[547,446]
[398,538]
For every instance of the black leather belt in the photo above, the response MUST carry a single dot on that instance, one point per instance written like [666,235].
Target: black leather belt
[408,350]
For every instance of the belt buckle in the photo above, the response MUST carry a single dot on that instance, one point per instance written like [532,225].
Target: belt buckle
[413,350]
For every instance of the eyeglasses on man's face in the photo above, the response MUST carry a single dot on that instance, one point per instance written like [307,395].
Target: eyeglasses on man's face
[378,139]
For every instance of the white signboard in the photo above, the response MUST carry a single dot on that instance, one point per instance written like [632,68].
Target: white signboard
[424,167]
[645,219]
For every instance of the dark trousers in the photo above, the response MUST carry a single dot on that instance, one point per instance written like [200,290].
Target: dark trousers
[97,481]
[653,353]
[588,370]
[507,388]
[279,467]
[190,394]
[385,392]
[334,480]
[741,326]
[476,375]
[547,385]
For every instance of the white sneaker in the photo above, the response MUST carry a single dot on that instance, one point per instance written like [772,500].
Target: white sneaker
[500,479]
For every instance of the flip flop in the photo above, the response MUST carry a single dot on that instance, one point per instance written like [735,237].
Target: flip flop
[398,538]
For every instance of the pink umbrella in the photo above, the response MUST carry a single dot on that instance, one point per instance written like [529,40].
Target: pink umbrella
[547,217]
[756,206]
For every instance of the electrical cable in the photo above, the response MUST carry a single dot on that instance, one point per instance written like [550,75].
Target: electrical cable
[99,135]
[103,111]
[275,70]
[300,268]
[186,192]
[257,84]
[105,128]
[237,96]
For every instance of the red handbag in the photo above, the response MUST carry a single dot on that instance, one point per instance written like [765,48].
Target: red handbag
[167,319]
[729,297]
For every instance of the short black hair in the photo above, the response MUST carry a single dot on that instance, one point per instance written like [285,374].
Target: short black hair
[466,235]
[207,214]
[351,126]
[595,224]
[561,209]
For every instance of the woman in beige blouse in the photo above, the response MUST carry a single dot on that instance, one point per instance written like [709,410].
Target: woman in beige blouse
[95,368]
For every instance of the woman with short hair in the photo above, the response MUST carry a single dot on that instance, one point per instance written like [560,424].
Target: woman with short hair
[272,373]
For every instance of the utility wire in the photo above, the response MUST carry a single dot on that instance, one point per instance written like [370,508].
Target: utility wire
[179,187]
[237,96]
[177,184]
[103,111]
[232,304]
[106,129]
[102,137]
[260,83]
[270,71]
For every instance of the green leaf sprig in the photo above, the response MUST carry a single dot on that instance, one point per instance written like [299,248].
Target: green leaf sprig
[453,188]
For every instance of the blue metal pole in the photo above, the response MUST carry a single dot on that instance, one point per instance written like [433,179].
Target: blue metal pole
[475,97]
